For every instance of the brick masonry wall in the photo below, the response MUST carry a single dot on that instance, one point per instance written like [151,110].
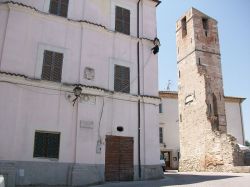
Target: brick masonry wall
[204,144]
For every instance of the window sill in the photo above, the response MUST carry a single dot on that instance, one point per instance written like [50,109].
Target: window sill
[47,159]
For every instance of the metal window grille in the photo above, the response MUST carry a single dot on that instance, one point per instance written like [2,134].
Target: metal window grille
[52,66]
[59,7]
[122,20]
[46,145]
[122,79]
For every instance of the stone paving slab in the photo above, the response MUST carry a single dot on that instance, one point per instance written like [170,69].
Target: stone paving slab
[190,179]
[183,179]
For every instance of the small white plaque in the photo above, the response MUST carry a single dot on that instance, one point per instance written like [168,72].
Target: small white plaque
[86,124]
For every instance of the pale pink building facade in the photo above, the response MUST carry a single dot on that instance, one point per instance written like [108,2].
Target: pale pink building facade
[47,50]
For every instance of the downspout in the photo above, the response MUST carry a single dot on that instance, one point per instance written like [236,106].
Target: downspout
[5,33]
[77,104]
[138,84]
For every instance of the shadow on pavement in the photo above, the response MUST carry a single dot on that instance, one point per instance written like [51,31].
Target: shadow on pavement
[184,179]
[169,180]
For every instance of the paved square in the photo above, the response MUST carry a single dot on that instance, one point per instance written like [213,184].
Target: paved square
[190,179]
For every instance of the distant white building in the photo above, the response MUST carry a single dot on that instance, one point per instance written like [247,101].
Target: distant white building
[79,91]
[169,126]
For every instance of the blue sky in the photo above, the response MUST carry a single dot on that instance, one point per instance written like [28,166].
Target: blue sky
[233,18]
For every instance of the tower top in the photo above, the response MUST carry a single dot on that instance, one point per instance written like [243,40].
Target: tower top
[195,31]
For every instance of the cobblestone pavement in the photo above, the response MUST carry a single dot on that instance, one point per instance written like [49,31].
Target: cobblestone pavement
[190,179]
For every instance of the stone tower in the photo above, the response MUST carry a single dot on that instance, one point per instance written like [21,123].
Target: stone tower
[204,144]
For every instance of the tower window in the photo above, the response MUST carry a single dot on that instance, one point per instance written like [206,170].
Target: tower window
[205,25]
[184,26]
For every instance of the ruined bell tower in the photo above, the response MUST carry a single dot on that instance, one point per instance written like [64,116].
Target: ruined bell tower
[204,144]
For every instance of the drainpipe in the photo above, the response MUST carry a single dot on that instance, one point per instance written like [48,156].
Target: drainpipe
[139,103]
[4,39]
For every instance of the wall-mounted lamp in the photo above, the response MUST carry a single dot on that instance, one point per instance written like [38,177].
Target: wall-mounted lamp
[157,43]
[77,92]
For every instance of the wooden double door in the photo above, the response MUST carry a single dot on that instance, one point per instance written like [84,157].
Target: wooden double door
[119,157]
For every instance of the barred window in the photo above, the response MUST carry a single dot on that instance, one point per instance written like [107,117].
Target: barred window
[46,145]
[52,66]
[122,79]
[161,134]
[122,20]
[59,7]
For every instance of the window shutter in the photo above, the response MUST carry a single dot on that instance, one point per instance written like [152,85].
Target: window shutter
[40,144]
[118,19]
[57,67]
[126,15]
[59,7]
[46,145]
[52,66]
[122,20]
[53,145]
[47,63]
[118,82]
[122,79]
[53,9]
[64,8]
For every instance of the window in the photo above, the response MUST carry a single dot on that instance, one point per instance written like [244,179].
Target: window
[205,25]
[160,108]
[161,134]
[52,66]
[122,79]
[122,20]
[46,145]
[59,7]
[184,26]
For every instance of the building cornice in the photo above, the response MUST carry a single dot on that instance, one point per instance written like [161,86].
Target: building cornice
[174,94]
[32,10]
[19,79]
[234,99]
[168,94]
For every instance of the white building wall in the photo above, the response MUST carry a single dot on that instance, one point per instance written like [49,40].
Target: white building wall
[83,46]
[169,121]
[234,121]
[29,104]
